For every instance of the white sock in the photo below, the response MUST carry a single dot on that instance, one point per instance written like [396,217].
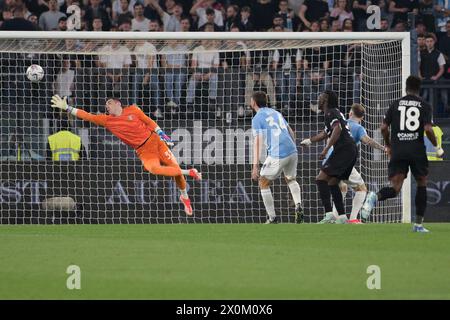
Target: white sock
[358,201]
[184,193]
[295,191]
[185,172]
[268,202]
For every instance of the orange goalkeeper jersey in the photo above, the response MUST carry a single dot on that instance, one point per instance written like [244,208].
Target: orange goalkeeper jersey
[133,127]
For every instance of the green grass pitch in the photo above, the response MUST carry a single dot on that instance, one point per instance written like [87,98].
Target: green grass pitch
[245,261]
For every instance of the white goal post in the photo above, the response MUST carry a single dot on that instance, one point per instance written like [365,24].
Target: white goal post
[196,85]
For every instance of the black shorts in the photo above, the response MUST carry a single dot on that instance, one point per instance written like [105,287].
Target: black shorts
[418,165]
[340,163]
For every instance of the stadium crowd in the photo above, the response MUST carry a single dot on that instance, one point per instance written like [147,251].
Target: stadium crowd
[290,77]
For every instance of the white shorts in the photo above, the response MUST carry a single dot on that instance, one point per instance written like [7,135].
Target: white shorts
[355,180]
[273,167]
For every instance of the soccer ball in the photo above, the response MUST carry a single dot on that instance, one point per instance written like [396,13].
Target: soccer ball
[35,73]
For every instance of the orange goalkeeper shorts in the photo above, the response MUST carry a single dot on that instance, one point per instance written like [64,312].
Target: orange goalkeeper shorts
[157,158]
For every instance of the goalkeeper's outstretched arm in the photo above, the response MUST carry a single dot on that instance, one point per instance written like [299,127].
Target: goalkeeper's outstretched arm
[61,103]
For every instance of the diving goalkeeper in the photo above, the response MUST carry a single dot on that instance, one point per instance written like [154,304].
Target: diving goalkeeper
[135,129]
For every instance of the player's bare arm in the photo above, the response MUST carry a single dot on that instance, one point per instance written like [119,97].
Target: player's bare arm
[318,137]
[372,143]
[257,145]
[430,134]
[337,129]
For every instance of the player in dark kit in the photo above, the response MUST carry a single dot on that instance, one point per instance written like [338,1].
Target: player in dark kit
[408,118]
[340,163]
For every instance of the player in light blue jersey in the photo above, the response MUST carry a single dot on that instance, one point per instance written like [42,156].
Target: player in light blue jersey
[270,127]
[355,180]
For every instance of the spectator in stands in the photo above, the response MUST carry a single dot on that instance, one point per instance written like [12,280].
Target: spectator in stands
[114,67]
[432,64]
[49,19]
[277,22]
[360,14]
[170,22]
[315,66]
[444,43]
[204,64]
[335,26]
[210,18]
[154,25]
[35,21]
[442,13]
[62,24]
[421,28]
[263,11]
[200,10]
[260,79]
[246,24]
[169,6]
[313,10]
[125,26]
[174,60]
[284,67]
[18,22]
[123,11]
[325,25]
[185,24]
[289,20]
[347,25]
[426,14]
[421,43]
[400,26]
[95,10]
[232,17]
[400,9]
[146,78]
[139,22]
[64,144]
[97,24]
[64,84]
[234,65]
[315,26]
[384,25]
[342,11]
[384,10]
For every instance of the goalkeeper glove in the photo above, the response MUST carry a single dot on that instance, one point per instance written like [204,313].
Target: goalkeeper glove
[306,142]
[164,137]
[59,103]
[439,152]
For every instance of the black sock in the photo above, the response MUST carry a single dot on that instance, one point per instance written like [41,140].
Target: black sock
[386,193]
[325,196]
[421,203]
[337,199]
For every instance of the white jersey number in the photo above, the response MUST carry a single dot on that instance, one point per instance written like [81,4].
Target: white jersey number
[409,118]
[278,126]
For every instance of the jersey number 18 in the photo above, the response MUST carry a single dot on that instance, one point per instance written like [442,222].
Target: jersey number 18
[409,118]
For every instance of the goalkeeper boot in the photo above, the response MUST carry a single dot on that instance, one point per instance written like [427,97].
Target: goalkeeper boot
[354,221]
[187,205]
[298,213]
[419,228]
[329,218]
[195,174]
[368,205]
[273,220]
[342,219]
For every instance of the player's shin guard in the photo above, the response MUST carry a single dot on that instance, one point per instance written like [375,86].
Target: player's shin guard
[295,191]
[421,204]
[268,202]
[386,193]
[325,196]
[337,199]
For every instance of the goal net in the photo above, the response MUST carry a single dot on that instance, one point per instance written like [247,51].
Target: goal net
[197,87]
